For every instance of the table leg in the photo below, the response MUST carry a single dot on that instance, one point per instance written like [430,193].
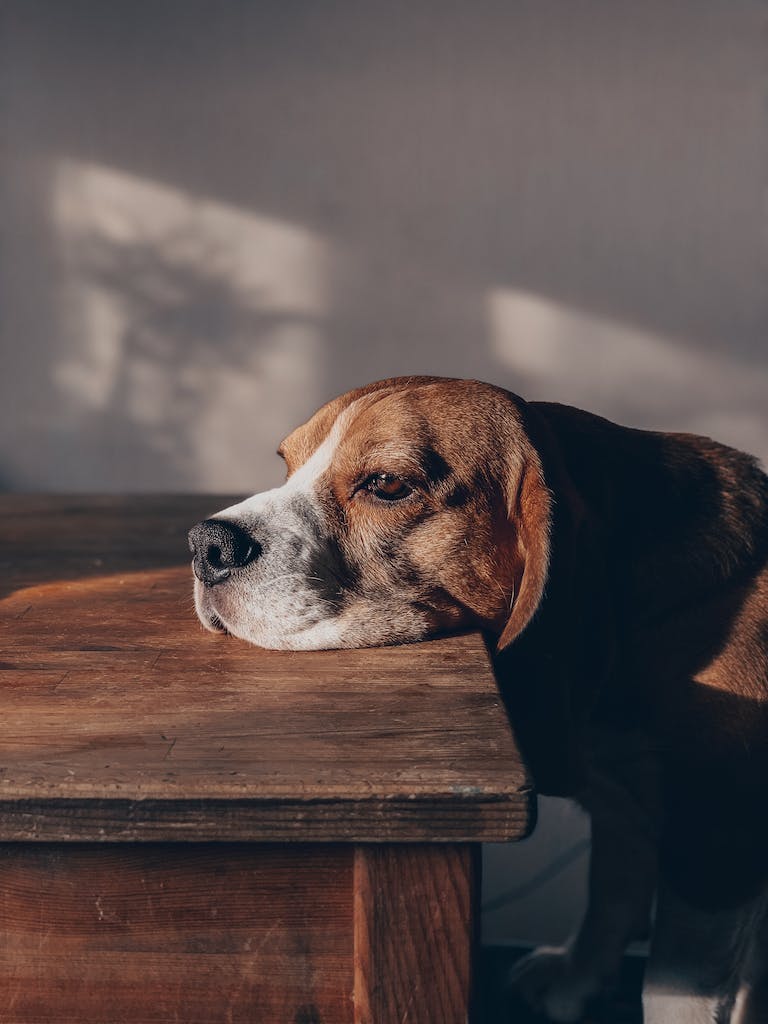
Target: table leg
[415,922]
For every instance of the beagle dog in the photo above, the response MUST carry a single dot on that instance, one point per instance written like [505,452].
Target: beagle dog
[622,576]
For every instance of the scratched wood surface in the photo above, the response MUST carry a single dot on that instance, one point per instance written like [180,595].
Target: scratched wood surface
[121,719]
[155,934]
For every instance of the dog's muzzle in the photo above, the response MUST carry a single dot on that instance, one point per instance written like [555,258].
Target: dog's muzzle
[220,548]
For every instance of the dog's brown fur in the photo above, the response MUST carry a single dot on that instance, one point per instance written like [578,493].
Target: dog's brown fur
[634,660]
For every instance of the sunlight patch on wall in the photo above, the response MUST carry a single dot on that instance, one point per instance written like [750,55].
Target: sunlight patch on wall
[191,331]
[564,354]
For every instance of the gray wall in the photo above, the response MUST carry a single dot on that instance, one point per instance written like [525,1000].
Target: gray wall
[215,216]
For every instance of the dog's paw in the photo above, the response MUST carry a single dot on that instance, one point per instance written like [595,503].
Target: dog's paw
[547,982]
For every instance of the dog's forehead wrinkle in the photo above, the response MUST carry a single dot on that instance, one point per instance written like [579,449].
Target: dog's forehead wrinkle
[437,467]
[407,454]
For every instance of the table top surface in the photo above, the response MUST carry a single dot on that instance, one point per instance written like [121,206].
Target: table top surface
[122,719]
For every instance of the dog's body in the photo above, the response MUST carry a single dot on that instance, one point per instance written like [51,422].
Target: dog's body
[625,575]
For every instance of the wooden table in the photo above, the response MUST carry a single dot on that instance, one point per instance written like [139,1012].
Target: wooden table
[199,831]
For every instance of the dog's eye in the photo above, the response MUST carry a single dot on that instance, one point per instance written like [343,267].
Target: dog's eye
[388,487]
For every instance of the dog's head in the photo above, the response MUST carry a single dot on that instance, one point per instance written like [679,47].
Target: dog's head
[412,506]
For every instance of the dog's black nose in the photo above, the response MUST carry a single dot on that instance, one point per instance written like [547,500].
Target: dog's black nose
[218,548]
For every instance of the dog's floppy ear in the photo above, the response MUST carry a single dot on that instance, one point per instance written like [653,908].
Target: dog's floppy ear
[529,508]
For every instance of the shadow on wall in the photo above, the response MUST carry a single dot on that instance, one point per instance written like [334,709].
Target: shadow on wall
[221,219]
[183,317]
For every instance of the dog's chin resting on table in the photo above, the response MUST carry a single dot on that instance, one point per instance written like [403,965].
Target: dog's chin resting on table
[623,578]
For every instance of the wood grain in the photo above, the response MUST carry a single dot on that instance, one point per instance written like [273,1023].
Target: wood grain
[220,934]
[121,719]
[414,914]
